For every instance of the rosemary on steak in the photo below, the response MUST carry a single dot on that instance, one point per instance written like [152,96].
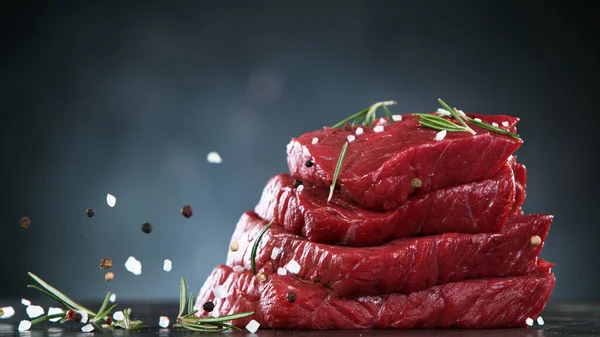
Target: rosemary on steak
[367,116]
[99,319]
[187,318]
[255,246]
[338,169]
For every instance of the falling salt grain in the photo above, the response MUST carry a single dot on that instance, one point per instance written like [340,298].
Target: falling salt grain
[252,326]
[118,316]
[477,119]
[495,124]
[111,200]
[529,321]
[359,131]
[293,267]
[238,269]
[300,188]
[281,271]
[163,322]
[8,312]
[133,266]
[24,325]
[440,135]
[315,140]
[378,128]
[87,328]
[351,138]
[214,158]
[540,320]
[220,291]
[443,112]
[34,311]
[25,302]
[274,253]
[505,124]
[167,265]
[113,298]
[396,118]
[84,316]
[54,311]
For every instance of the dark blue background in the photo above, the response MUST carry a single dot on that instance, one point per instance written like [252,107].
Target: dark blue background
[128,98]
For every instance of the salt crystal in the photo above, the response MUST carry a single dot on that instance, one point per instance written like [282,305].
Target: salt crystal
[495,124]
[351,138]
[220,291]
[529,321]
[118,316]
[378,128]
[477,119]
[8,312]
[215,313]
[359,131]
[252,326]
[87,328]
[281,271]
[24,325]
[315,140]
[440,135]
[540,320]
[275,251]
[462,113]
[34,311]
[163,322]
[167,265]
[54,311]
[25,302]
[293,267]
[84,316]
[111,200]
[443,112]
[214,158]
[300,188]
[505,124]
[396,118]
[133,266]
[113,298]
[238,269]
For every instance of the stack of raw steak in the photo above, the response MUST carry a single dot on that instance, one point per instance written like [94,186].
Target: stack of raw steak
[420,233]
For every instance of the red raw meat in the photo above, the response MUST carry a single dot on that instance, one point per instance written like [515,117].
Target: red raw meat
[520,174]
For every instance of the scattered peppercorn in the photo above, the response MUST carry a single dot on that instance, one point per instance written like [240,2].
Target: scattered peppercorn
[536,240]
[308,163]
[348,127]
[76,317]
[297,183]
[261,277]
[208,306]
[105,263]
[234,246]
[109,276]
[25,222]
[186,211]
[109,320]
[90,212]
[146,227]
[416,183]
[291,297]
[70,314]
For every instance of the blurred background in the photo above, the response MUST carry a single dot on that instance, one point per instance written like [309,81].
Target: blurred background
[129,98]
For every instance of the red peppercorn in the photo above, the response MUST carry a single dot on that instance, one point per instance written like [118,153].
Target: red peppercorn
[186,211]
[70,314]
[25,222]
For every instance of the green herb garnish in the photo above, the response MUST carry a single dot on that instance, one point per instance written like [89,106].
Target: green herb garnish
[367,115]
[456,115]
[255,246]
[338,169]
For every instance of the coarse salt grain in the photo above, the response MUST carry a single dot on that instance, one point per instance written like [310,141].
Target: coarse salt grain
[293,267]
[163,322]
[274,253]
[359,131]
[54,311]
[477,119]
[300,188]
[351,138]
[118,316]
[167,265]
[84,316]
[8,312]
[214,158]
[252,326]
[443,112]
[25,302]
[540,320]
[87,328]
[133,266]
[281,271]
[378,128]
[111,200]
[34,311]
[24,325]
[495,124]
[220,291]
[315,140]
[440,135]
[529,321]
[396,118]
[238,269]
[462,113]
[113,297]
[505,124]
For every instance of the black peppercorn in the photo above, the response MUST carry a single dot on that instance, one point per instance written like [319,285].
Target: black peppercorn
[186,211]
[146,227]
[291,297]
[90,212]
[77,317]
[308,163]
[297,183]
[208,306]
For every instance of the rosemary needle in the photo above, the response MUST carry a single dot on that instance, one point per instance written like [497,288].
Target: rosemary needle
[255,246]
[338,169]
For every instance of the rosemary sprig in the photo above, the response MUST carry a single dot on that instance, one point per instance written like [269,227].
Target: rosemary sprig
[338,169]
[255,246]
[367,115]
[202,324]
[456,115]
[439,123]
[494,128]
[96,319]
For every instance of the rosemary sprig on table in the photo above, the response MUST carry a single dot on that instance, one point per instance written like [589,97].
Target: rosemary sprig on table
[338,169]
[367,116]
[97,319]
[255,246]
[202,324]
